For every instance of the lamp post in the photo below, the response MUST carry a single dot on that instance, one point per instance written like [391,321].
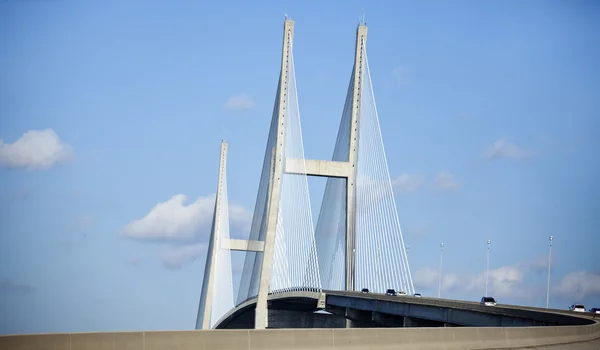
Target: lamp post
[487,267]
[549,262]
[441,260]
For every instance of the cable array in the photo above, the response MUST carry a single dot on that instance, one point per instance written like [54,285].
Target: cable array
[295,265]
[381,260]
[253,260]
[380,255]
[331,224]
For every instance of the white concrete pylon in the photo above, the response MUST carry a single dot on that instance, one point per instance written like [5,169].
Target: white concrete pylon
[208,285]
[361,42]
[261,313]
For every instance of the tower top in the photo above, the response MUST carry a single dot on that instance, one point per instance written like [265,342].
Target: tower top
[361,18]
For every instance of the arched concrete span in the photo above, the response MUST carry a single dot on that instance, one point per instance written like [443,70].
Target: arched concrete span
[296,309]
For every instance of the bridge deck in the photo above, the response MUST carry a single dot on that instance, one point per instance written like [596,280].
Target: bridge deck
[579,337]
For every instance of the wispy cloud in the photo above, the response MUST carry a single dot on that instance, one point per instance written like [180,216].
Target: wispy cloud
[579,285]
[408,182]
[504,282]
[175,257]
[239,102]
[504,149]
[35,150]
[444,180]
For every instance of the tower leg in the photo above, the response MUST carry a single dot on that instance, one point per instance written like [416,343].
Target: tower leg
[206,296]
[361,38]
[261,314]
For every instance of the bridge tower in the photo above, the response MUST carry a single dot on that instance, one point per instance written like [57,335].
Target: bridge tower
[356,242]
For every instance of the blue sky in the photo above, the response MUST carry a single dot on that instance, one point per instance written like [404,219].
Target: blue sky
[489,111]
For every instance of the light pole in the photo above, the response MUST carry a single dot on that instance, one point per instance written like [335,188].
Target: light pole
[549,262]
[487,267]
[441,259]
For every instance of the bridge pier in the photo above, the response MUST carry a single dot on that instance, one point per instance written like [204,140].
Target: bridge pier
[358,318]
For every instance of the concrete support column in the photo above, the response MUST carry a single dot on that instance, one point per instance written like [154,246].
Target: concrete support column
[361,40]
[261,318]
[358,318]
[206,296]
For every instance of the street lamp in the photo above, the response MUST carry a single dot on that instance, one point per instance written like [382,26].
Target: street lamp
[549,260]
[441,259]
[487,267]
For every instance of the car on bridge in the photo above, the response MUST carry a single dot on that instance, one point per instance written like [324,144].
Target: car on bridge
[418,295]
[595,310]
[365,290]
[577,308]
[488,301]
[401,292]
[391,292]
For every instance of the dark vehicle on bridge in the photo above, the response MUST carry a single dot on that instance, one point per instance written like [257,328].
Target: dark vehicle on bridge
[595,310]
[391,292]
[488,301]
[365,290]
[418,295]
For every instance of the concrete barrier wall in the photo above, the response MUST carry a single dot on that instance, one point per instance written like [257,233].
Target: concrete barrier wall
[309,339]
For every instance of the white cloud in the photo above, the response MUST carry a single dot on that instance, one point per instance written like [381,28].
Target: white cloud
[445,180]
[176,256]
[173,220]
[504,149]
[504,282]
[35,149]
[240,217]
[407,182]
[185,227]
[426,277]
[239,102]
[579,284]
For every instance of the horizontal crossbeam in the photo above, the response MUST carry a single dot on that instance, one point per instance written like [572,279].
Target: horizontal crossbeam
[243,245]
[325,168]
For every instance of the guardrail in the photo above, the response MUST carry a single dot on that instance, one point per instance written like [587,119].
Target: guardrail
[311,339]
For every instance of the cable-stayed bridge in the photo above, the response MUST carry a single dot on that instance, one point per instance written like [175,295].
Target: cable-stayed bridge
[356,242]
[294,267]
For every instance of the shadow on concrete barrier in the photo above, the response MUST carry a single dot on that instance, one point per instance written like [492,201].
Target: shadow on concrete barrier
[313,339]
